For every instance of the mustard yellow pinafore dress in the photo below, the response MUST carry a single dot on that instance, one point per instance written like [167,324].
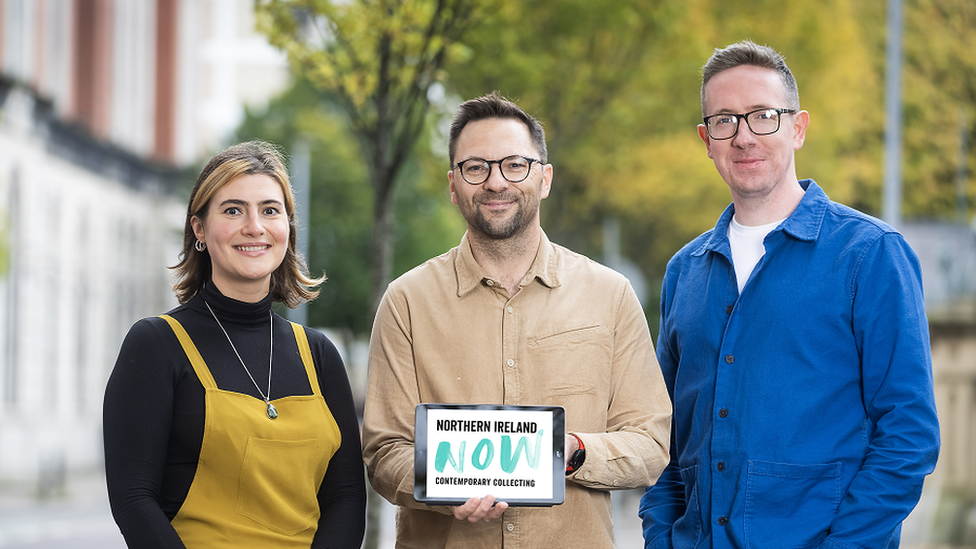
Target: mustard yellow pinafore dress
[257,479]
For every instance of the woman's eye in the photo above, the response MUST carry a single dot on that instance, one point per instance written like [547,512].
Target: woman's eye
[270,210]
[233,210]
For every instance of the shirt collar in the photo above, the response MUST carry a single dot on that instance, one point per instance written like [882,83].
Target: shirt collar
[470,275]
[803,223]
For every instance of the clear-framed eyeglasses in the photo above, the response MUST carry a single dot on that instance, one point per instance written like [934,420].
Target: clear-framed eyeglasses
[515,168]
[725,125]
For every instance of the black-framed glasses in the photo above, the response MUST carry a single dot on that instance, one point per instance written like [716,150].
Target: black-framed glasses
[725,125]
[514,168]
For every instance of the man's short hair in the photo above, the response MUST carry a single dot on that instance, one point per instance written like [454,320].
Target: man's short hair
[750,53]
[494,105]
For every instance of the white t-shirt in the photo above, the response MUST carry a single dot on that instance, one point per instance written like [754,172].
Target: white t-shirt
[747,248]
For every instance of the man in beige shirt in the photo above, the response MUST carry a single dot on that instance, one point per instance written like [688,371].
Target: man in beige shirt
[508,317]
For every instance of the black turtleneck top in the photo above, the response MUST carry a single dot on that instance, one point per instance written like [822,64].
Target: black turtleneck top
[153,415]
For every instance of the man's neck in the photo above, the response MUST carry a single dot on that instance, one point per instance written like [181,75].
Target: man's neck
[753,211]
[507,260]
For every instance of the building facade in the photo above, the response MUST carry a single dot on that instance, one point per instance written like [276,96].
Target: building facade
[106,107]
[947,252]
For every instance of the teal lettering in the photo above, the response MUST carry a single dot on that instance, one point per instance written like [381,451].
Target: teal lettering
[510,460]
[444,455]
[479,451]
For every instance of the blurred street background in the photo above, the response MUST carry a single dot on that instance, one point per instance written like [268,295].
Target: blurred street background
[108,108]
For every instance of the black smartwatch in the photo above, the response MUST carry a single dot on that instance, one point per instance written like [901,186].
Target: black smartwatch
[579,456]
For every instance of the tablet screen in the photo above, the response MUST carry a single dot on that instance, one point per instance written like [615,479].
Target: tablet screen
[514,453]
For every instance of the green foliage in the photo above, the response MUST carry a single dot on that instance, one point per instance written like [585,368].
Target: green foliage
[940,103]
[616,84]
[376,58]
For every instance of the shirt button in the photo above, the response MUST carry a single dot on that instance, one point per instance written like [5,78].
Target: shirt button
[616,482]
[511,362]
[720,466]
[729,359]
[509,309]
[728,310]
[510,527]
[722,521]
[490,282]
[723,412]
[586,475]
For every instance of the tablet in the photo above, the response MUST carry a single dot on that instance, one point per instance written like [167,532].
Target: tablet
[514,453]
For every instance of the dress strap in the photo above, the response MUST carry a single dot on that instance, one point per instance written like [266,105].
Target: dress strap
[306,353]
[199,366]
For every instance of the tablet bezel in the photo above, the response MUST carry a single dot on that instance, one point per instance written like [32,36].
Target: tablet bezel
[558,472]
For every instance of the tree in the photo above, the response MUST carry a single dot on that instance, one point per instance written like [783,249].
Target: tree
[378,60]
[340,204]
[939,107]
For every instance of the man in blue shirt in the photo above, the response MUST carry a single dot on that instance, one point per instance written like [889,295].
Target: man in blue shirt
[794,345]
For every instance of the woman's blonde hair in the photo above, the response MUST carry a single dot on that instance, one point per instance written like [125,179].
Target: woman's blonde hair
[290,282]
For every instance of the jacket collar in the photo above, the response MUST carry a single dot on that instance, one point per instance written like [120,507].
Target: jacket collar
[804,223]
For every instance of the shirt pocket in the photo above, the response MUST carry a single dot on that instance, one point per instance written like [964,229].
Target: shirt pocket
[277,488]
[790,506]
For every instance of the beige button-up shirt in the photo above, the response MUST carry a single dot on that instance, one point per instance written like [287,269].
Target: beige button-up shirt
[573,336]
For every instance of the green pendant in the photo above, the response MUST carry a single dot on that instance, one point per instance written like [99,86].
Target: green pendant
[272,412]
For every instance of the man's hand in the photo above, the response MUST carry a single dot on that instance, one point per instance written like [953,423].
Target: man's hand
[476,509]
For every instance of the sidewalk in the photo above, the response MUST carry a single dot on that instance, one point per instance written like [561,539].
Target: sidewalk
[78,519]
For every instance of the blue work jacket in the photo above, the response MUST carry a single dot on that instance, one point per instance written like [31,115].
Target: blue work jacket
[804,413]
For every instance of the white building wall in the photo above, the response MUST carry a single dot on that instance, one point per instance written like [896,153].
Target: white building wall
[88,258]
[133,63]
[231,66]
[18,50]
[54,74]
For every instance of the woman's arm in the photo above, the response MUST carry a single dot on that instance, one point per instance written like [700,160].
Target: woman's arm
[342,496]
[137,416]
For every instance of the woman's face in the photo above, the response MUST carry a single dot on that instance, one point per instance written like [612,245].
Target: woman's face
[246,233]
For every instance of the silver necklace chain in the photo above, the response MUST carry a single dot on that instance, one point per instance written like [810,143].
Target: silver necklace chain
[272,412]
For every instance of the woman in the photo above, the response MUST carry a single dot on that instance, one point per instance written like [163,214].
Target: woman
[225,425]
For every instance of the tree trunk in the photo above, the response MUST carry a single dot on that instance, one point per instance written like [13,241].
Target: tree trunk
[381,272]
[381,247]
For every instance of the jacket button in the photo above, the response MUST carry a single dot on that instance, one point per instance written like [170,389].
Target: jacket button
[729,359]
[724,412]
[720,466]
[511,526]
[722,521]
[728,310]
